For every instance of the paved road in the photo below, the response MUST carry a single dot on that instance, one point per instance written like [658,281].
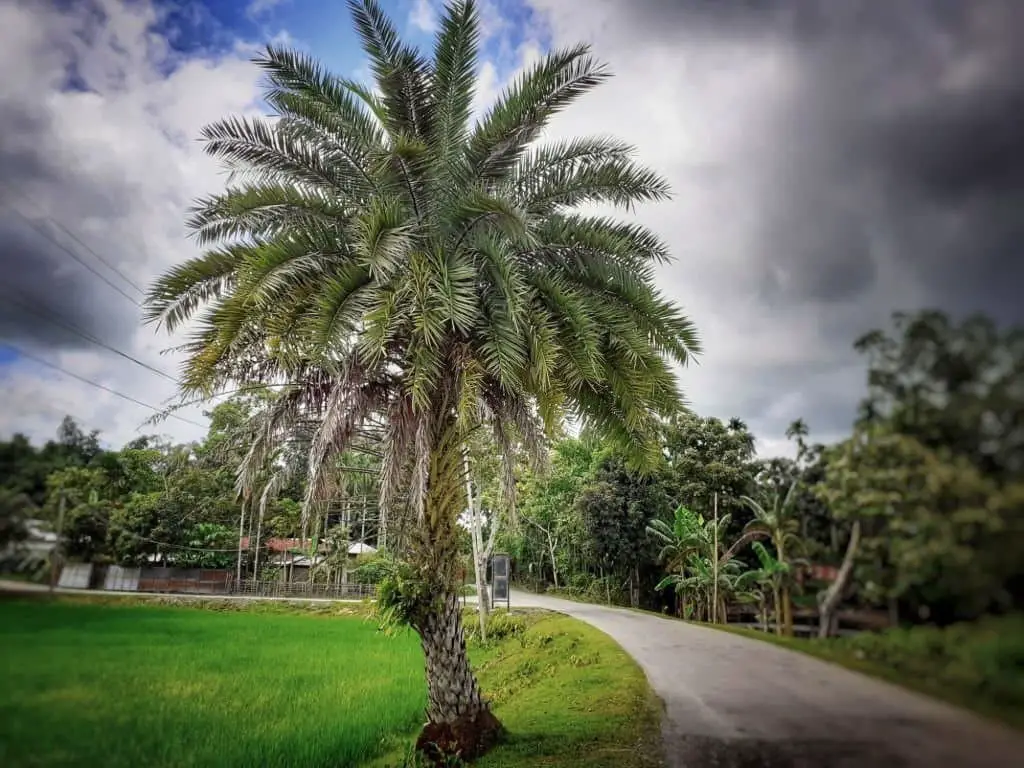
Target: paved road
[734,702]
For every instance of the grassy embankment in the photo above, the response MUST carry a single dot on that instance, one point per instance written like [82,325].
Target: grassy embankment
[978,666]
[126,683]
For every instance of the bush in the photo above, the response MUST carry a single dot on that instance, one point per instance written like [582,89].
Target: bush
[372,568]
[500,625]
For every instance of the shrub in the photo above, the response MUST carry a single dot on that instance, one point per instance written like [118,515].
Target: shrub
[372,568]
[500,625]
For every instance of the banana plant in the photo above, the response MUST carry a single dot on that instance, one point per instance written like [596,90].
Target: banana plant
[779,525]
[770,578]
[688,553]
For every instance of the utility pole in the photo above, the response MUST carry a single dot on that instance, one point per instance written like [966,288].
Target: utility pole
[714,604]
[55,557]
[241,530]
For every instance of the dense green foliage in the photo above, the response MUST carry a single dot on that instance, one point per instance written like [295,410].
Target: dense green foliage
[150,499]
[927,475]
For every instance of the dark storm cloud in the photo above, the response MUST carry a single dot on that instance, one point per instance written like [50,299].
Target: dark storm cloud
[902,142]
[35,264]
[49,300]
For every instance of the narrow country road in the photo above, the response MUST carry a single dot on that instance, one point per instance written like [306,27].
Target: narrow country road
[734,702]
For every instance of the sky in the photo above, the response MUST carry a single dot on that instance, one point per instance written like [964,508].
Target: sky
[831,160]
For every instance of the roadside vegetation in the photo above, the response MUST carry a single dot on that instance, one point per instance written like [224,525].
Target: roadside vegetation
[121,682]
[975,665]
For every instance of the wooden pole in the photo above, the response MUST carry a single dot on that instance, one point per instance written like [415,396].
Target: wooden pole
[55,557]
[714,604]
[241,530]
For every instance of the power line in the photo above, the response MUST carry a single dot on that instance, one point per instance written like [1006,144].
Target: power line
[77,239]
[105,388]
[182,546]
[58,320]
[35,225]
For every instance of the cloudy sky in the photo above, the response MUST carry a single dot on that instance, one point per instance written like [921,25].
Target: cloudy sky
[832,160]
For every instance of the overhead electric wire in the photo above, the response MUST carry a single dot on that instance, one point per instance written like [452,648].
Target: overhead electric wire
[62,322]
[104,387]
[43,233]
[181,546]
[76,238]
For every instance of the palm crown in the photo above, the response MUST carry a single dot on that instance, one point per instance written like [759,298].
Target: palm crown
[375,236]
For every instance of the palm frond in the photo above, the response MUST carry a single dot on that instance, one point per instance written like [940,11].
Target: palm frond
[452,86]
[525,108]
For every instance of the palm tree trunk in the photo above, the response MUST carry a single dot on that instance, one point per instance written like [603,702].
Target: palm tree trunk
[787,612]
[241,530]
[778,603]
[787,602]
[459,719]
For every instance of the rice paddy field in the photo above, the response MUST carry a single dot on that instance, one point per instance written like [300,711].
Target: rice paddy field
[131,683]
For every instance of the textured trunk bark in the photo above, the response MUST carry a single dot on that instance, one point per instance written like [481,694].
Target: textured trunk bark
[459,721]
[452,688]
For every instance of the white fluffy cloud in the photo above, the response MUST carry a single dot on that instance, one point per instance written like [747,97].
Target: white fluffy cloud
[113,158]
[423,16]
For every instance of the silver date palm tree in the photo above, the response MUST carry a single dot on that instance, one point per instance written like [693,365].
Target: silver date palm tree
[389,261]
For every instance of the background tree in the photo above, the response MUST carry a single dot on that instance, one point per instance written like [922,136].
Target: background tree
[708,456]
[951,386]
[615,507]
[778,524]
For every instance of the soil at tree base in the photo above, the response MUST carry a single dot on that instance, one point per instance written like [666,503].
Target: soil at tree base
[467,738]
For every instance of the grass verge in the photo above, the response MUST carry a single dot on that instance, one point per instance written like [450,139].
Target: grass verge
[566,692]
[975,666]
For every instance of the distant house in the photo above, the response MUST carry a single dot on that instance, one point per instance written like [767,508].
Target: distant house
[293,558]
[32,553]
[40,542]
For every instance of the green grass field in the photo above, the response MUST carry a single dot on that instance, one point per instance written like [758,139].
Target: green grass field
[135,684]
[91,685]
